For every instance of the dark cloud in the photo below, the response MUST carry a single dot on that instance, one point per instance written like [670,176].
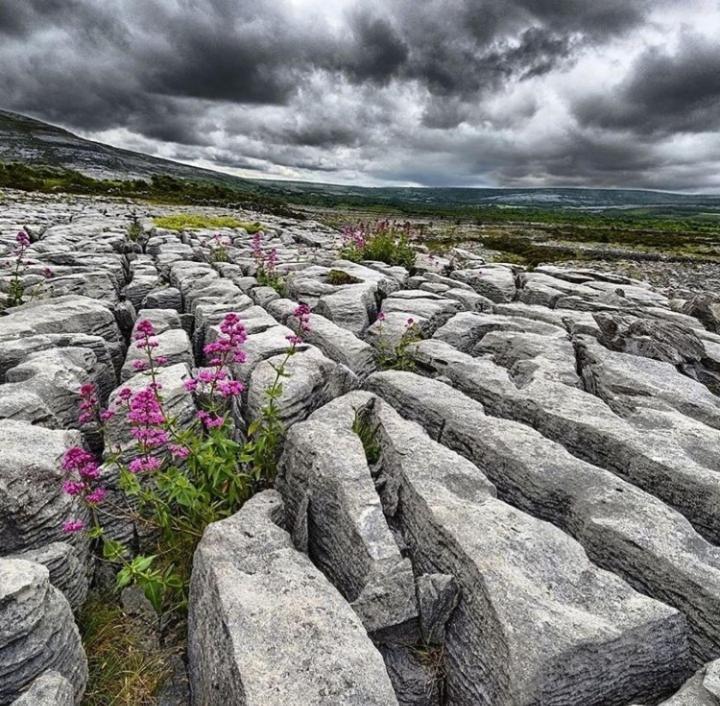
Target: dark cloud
[429,91]
[664,92]
[378,52]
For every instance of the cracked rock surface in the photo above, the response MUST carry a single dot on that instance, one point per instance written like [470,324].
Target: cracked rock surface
[526,514]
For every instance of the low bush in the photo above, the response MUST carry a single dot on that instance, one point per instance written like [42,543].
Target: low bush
[175,480]
[382,241]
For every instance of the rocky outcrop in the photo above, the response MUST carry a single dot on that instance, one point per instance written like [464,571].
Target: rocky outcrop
[561,619]
[32,504]
[609,517]
[37,631]
[530,516]
[337,517]
[703,689]
[266,627]
[49,689]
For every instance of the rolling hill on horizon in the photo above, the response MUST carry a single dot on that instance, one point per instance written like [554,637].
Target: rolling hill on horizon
[32,142]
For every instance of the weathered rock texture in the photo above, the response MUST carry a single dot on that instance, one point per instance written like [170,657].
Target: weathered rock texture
[266,627]
[527,591]
[50,689]
[37,632]
[528,514]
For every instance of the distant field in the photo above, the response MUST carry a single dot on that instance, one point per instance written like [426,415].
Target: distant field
[688,230]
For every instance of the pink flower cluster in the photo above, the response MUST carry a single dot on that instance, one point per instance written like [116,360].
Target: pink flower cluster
[210,420]
[264,260]
[222,353]
[82,476]
[355,236]
[23,241]
[90,410]
[302,314]
[220,241]
[147,419]
[227,348]
[144,335]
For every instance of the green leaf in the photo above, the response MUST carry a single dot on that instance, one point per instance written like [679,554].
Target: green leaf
[113,550]
[142,563]
[124,577]
[95,532]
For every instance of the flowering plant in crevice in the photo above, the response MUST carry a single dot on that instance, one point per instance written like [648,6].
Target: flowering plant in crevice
[218,245]
[19,265]
[266,261]
[265,433]
[175,478]
[397,357]
[384,241]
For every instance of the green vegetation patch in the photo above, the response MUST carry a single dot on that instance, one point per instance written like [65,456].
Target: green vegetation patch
[188,221]
[381,241]
[126,669]
[159,188]
[338,277]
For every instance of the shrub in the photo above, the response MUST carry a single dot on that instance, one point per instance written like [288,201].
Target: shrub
[180,479]
[382,241]
[135,230]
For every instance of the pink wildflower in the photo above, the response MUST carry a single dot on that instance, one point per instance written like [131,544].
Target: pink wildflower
[144,464]
[73,526]
[139,365]
[190,384]
[177,451]
[106,415]
[87,390]
[75,458]
[73,487]
[302,314]
[22,239]
[150,437]
[230,388]
[90,472]
[161,360]
[82,462]
[144,328]
[145,408]
[294,340]
[97,496]
[210,421]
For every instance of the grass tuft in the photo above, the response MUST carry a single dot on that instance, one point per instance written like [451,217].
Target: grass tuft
[187,221]
[126,669]
[363,427]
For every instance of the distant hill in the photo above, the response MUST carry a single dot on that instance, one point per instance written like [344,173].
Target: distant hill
[32,142]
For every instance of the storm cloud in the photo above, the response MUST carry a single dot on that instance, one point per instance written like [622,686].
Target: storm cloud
[441,92]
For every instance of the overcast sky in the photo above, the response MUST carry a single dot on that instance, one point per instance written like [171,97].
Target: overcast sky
[610,93]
